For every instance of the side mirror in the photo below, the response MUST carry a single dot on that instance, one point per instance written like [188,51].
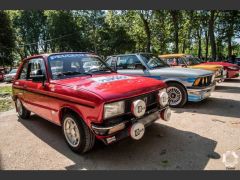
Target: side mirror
[39,78]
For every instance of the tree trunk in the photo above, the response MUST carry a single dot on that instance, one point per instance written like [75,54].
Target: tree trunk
[184,46]
[229,41]
[199,44]
[176,30]
[147,31]
[207,42]
[211,34]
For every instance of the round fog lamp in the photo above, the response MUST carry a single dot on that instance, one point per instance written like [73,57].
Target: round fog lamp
[166,114]
[137,131]
[138,108]
[163,98]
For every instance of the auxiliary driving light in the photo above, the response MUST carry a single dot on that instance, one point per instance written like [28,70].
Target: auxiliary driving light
[138,108]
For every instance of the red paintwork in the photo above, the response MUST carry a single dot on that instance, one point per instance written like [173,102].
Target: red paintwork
[230,72]
[81,94]
[1,74]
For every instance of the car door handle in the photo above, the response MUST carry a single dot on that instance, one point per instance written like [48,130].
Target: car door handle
[24,85]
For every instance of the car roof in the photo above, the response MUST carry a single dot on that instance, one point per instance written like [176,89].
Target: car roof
[171,55]
[128,54]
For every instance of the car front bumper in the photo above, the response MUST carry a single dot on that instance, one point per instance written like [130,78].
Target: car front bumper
[222,77]
[122,130]
[8,78]
[198,94]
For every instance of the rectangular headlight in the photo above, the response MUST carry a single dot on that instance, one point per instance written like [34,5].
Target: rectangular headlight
[114,109]
[197,81]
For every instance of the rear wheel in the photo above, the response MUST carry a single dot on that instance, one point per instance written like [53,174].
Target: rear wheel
[177,94]
[22,111]
[77,134]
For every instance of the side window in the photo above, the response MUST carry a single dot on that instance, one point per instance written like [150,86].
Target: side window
[172,61]
[36,67]
[128,62]
[111,62]
[180,61]
[23,73]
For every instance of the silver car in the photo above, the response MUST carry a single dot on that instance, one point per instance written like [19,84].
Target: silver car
[10,76]
[184,84]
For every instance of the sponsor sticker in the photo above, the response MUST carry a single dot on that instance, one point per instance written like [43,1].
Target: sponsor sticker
[110,78]
[57,56]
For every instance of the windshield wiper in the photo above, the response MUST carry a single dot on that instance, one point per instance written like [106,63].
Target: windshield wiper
[72,73]
[100,70]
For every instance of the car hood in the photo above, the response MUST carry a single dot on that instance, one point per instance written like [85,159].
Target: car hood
[114,86]
[179,72]
[226,64]
[210,67]
[8,75]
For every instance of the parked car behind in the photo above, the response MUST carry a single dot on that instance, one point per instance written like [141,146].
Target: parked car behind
[184,84]
[231,69]
[188,61]
[2,72]
[88,103]
[10,76]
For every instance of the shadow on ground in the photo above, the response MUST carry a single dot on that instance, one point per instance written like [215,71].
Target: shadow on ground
[213,106]
[227,89]
[232,80]
[162,147]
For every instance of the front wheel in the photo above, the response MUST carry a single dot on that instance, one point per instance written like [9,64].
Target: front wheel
[21,110]
[77,134]
[177,95]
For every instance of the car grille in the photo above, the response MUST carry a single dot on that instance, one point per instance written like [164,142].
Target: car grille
[205,81]
[150,99]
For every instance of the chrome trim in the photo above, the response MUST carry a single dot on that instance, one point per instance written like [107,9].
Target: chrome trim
[189,90]
[142,120]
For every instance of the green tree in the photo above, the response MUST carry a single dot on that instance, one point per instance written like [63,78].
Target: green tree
[7,40]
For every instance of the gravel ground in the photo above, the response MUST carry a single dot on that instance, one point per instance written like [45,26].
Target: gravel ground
[195,138]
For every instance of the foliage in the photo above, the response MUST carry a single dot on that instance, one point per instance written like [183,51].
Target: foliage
[202,33]
[7,39]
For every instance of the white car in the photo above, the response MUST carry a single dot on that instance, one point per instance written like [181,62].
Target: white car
[10,76]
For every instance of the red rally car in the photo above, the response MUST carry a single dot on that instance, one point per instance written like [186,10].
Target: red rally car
[232,69]
[88,101]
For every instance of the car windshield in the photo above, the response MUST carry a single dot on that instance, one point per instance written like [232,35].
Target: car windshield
[73,64]
[153,61]
[13,71]
[192,61]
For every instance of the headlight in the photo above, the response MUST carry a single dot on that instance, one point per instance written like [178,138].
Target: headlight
[163,97]
[197,81]
[114,109]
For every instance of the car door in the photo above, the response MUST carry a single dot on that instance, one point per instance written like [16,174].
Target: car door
[131,65]
[35,94]
[19,84]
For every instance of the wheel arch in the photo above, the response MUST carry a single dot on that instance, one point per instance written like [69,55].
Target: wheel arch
[68,109]
[178,82]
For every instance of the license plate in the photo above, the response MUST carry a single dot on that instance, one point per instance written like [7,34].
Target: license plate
[148,119]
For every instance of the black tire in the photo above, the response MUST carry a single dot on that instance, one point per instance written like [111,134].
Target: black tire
[87,138]
[183,94]
[24,113]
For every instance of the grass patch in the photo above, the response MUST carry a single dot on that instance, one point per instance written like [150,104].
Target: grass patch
[6,90]
[6,104]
